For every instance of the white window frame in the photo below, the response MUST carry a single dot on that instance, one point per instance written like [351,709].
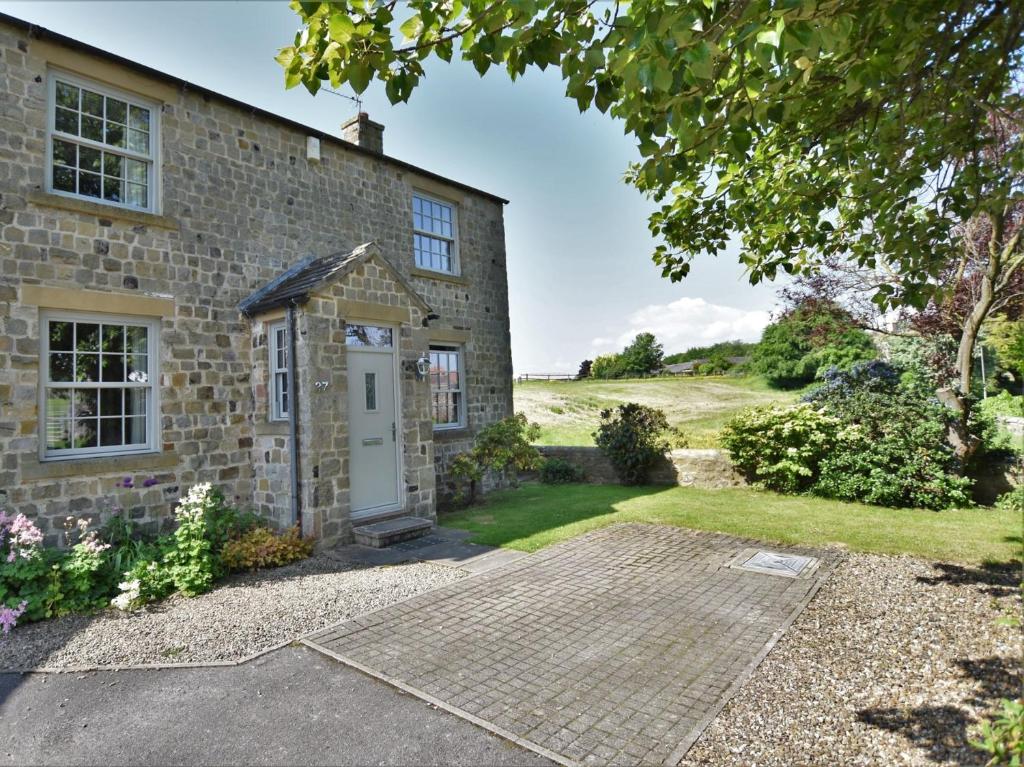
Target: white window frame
[456,269]
[152,443]
[153,158]
[278,409]
[460,353]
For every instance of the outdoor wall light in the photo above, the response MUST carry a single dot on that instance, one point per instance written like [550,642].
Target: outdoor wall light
[422,367]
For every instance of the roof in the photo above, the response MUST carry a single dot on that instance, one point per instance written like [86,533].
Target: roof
[297,283]
[39,32]
[689,365]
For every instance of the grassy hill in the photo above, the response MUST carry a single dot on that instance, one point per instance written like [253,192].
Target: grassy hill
[568,411]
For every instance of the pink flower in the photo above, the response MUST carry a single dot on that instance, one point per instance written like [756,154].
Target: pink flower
[23,537]
[9,616]
[93,545]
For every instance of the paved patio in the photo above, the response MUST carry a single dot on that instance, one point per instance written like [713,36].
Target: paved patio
[618,647]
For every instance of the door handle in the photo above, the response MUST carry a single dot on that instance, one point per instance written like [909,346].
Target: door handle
[394,432]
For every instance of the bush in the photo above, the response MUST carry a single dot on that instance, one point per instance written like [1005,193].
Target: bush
[862,436]
[780,448]
[503,448]
[893,448]
[630,436]
[260,547]
[1012,500]
[558,471]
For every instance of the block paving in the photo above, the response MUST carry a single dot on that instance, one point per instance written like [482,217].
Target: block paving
[617,647]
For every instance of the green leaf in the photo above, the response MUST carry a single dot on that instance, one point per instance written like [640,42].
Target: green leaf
[359,77]
[412,28]
[341,28]
[769,37]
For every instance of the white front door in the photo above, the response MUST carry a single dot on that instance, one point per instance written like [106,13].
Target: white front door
[373,421]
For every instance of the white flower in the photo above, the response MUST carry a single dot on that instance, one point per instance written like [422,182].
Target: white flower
[129,594]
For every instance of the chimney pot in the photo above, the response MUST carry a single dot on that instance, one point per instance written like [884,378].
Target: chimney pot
[364,132]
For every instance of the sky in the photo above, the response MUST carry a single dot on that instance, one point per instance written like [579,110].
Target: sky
[581,280]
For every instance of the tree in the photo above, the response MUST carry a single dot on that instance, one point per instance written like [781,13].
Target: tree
[808,129]
[584,371]
[608,366]
[808,340]
[721,349]
[643,356]
[859,130]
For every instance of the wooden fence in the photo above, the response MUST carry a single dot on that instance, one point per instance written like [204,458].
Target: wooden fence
[545,377]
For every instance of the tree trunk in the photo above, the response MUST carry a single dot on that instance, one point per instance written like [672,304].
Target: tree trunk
[964,443]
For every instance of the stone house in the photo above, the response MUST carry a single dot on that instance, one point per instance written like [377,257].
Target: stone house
[196,290]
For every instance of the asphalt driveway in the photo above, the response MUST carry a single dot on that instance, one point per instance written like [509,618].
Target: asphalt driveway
[293,706]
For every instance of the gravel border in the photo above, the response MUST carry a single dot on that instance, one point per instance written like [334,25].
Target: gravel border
[893,662]
[243,616]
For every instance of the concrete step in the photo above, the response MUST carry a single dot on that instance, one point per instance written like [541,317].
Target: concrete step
[382,534]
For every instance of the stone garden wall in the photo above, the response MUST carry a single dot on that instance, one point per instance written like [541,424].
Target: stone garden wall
[687,468]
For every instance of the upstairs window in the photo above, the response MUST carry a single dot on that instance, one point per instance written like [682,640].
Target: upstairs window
[279,399]
[446,387]
[433,240]
[102,144]
[98,393]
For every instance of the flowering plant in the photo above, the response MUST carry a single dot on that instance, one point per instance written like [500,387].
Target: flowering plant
[192,562]
[9,616]
[21,537]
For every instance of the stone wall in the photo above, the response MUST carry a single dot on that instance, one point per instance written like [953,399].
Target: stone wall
[687,468]
[240,202]
[996,479]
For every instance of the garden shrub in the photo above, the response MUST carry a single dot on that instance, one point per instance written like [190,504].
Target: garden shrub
[260,547]
[862,436]
[1012,500]
[558,471]
[893,448]
[630,436]
[780,448]
[503,448]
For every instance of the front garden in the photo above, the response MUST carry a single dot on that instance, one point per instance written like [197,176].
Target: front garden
[535,515]
[117,566]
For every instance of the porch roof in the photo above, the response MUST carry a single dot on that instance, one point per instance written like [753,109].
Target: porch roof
[297,283]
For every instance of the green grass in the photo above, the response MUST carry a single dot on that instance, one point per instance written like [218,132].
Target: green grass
[534,516]
[568,411]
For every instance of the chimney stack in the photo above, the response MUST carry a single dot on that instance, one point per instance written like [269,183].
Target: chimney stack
[364,132]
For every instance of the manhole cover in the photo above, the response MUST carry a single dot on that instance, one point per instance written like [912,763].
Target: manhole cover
[789,565]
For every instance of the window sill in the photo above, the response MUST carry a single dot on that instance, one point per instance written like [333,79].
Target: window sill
[48,200]
[76,467]
[430,274]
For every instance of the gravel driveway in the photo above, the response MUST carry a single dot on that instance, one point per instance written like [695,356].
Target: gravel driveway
[242,616]
[891,663]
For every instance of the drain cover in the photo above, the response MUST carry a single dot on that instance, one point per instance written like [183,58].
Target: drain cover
[788,565]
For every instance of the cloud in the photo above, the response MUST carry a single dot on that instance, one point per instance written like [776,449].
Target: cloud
[688,322]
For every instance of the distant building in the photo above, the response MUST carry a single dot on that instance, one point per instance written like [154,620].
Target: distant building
[690,367]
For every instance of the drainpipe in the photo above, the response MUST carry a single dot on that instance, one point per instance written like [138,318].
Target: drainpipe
[293,421]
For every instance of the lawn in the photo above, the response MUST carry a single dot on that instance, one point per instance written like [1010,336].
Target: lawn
[568,411]
[534,516]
